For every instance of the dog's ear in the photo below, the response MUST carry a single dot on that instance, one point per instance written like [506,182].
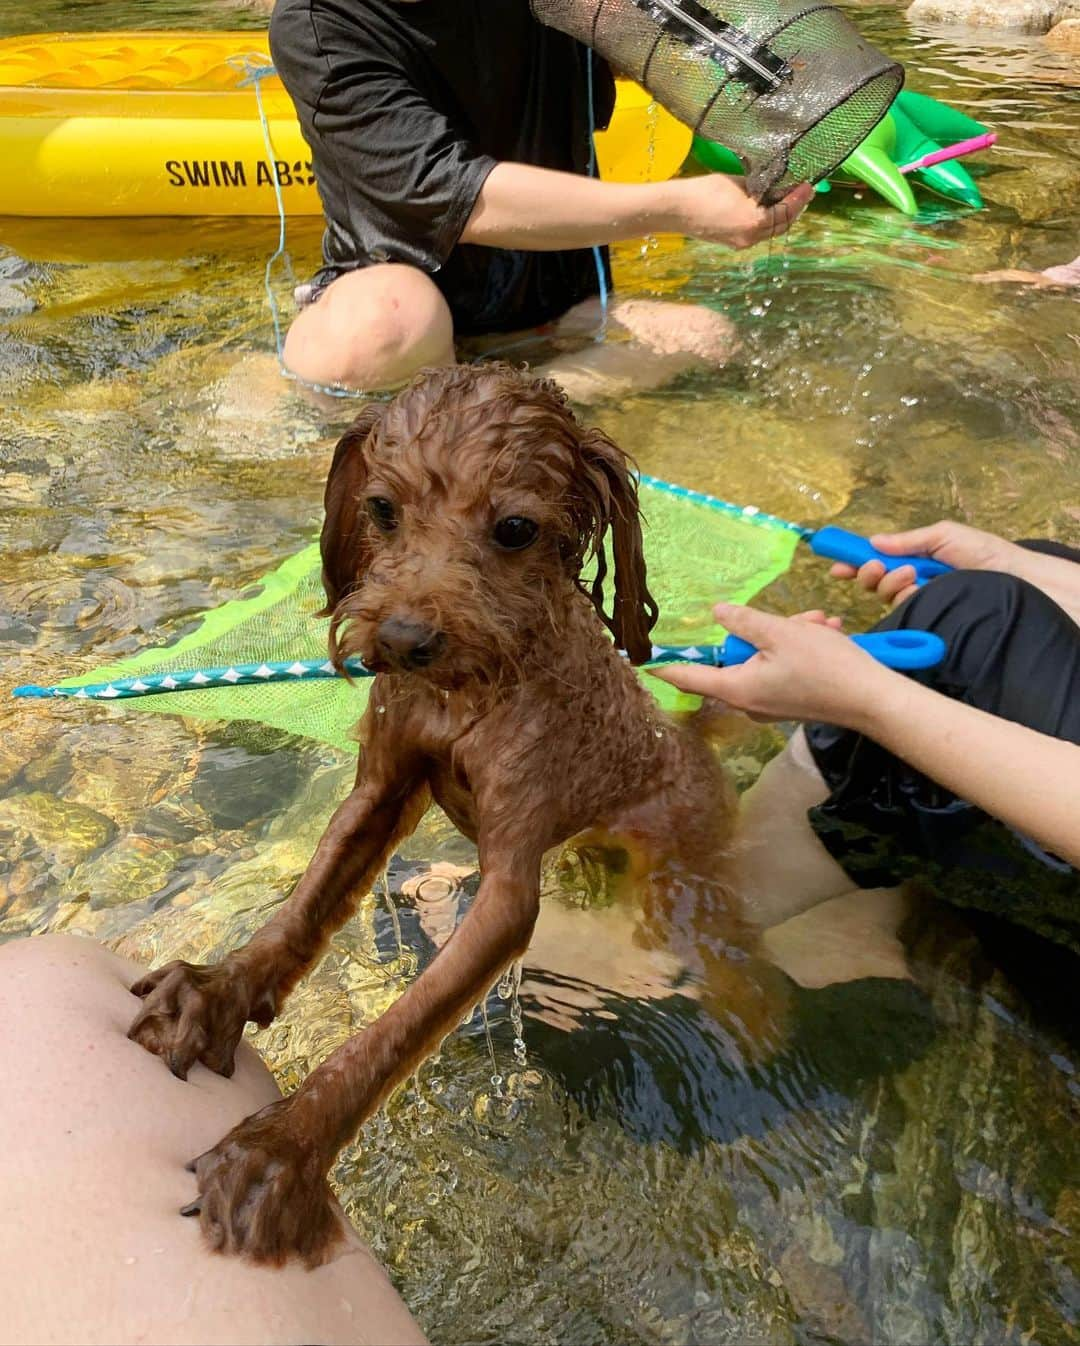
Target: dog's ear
[610,500]
[344,551]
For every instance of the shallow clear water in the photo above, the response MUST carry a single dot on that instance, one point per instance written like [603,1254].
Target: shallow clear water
[907,1169]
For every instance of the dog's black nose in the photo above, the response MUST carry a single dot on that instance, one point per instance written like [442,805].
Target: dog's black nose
[408,644]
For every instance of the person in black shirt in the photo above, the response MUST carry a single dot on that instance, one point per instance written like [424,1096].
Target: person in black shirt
[450,142]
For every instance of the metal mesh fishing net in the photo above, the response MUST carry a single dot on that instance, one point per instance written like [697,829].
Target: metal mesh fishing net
[790,87]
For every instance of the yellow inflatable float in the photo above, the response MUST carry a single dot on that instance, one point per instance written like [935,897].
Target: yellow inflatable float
[167,123]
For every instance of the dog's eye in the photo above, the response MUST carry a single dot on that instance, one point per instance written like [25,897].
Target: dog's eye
[381,513]
[515,533]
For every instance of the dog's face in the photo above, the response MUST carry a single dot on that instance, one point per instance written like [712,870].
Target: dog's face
[458,518]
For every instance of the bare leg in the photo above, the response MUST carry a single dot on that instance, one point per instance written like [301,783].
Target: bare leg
[374,328]
[650,342]
[371,329]
[1052,277]
[844,939]
[816,926]
[779,868]
[93,1139]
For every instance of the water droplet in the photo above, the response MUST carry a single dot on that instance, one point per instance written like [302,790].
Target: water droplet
[496,1078]
[757,310]
[380,710]
[516,1019]
[658,732]
[909,401]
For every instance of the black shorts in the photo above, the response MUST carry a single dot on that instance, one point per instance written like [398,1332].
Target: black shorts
[1014,653]
[491,290]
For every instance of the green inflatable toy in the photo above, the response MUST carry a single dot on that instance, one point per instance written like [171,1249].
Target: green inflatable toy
[918,138]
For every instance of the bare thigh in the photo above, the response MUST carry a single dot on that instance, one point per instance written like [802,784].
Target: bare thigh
[371,329]
[94,1136]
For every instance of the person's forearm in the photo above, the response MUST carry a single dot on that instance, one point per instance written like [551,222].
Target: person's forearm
[1026,779]
[1057,577]
[541,210]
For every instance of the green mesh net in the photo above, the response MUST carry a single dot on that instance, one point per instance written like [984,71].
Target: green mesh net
[698,550]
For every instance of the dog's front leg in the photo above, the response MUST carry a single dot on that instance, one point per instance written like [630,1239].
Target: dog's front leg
[197,1013]
[263,1190]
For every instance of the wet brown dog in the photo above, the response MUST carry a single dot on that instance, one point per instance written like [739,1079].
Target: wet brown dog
[458,520]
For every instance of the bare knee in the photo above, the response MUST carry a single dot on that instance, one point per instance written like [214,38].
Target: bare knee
[371,329]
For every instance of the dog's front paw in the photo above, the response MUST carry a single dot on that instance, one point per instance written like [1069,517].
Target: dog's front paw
[192,1013]
[263,1192]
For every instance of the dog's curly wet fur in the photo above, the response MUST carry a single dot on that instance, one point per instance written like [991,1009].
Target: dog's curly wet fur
[459,519]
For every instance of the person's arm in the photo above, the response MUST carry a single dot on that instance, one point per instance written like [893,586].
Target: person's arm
[807,670]
[406,180]
[540,210]
[1025,778]
[965,548]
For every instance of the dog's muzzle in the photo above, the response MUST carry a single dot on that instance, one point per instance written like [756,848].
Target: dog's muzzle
[408,645]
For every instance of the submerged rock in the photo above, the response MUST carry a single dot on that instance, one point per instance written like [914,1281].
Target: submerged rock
[132,869]
[118,767]
[23,890]
[237,783]
[1038,196]
[821,1297]
[1065,36]
[699,444]
[975,1145]
[1017,16]
[12,761]
[65,832]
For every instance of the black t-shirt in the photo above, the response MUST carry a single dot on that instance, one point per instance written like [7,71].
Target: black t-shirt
[407,107]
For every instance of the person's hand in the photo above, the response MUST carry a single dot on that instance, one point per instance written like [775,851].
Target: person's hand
[805,669]
[956,544]
[717,209]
